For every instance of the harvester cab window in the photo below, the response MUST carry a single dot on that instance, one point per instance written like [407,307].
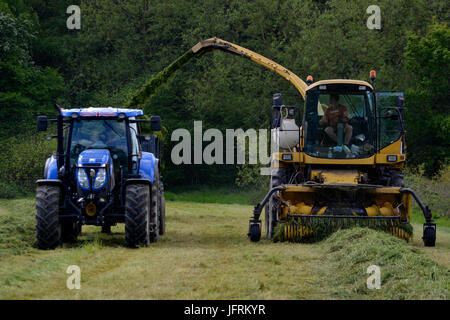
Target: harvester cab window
[339,124]
[390,116]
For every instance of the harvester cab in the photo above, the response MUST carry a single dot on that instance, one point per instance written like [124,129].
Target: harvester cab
[338,166]
[103,173]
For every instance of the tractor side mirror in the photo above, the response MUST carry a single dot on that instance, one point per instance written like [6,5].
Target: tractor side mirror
[400,101]
[155,123]
[42,123]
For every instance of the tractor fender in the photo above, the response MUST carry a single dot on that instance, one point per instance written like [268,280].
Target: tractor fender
[147,166]
[51,168]
[55,182]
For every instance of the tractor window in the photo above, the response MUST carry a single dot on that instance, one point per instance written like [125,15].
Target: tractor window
[99,134]
[339,125]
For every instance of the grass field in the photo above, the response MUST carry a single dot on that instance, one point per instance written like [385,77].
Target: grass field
[205,254]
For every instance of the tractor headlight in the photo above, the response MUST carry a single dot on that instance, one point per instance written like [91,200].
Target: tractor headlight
[100,179]
[82,178]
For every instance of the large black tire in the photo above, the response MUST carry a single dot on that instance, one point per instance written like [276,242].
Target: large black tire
[278,177]
[154,208]
[48,228]
[396,178]
[137,215]
[429,236]
[162,211]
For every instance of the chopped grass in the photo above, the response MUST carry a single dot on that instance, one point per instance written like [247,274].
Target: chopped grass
[406,272]
[205,254]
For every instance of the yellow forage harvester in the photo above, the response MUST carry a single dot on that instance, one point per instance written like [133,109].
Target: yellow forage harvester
[335,163]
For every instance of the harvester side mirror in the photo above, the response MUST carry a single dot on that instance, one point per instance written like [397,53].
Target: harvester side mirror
[400,101]
[155,123]
[277,100]
[42,123]
[141,138]
[392,115]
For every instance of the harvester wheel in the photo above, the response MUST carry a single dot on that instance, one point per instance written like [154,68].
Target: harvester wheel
[48,228]
[154,224]
[278,177]
[271,217]
[396,179]
[254,232]
[137,215]
[429,235]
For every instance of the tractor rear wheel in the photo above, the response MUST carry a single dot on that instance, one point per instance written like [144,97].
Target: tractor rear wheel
[137,215]
[162,211]
[155,209]
[48,228]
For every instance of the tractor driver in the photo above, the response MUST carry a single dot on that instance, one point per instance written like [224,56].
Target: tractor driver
[334,114]
[112,139]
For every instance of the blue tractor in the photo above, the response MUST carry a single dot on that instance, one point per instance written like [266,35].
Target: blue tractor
[104,172]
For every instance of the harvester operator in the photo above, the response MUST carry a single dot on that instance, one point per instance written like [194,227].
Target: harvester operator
[334,114]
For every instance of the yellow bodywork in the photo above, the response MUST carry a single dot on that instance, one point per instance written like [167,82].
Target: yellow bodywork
[385,201]
[298,200]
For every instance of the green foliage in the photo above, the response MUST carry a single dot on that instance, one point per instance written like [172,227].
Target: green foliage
[428,116]
[9,190]
[124,45]
[434,192]
[22,159]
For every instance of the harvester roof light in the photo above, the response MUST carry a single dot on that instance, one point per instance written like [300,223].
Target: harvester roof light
[392,158]
[309,80]
[74,115]
[373,75]
[287,157]
[121,115]
[323,87]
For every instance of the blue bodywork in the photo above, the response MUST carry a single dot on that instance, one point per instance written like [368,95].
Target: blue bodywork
[51,168]
[102,112]
[147,166]
[99,158]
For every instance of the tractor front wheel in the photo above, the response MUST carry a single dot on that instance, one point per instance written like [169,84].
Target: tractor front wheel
[137,215]
[48,228]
